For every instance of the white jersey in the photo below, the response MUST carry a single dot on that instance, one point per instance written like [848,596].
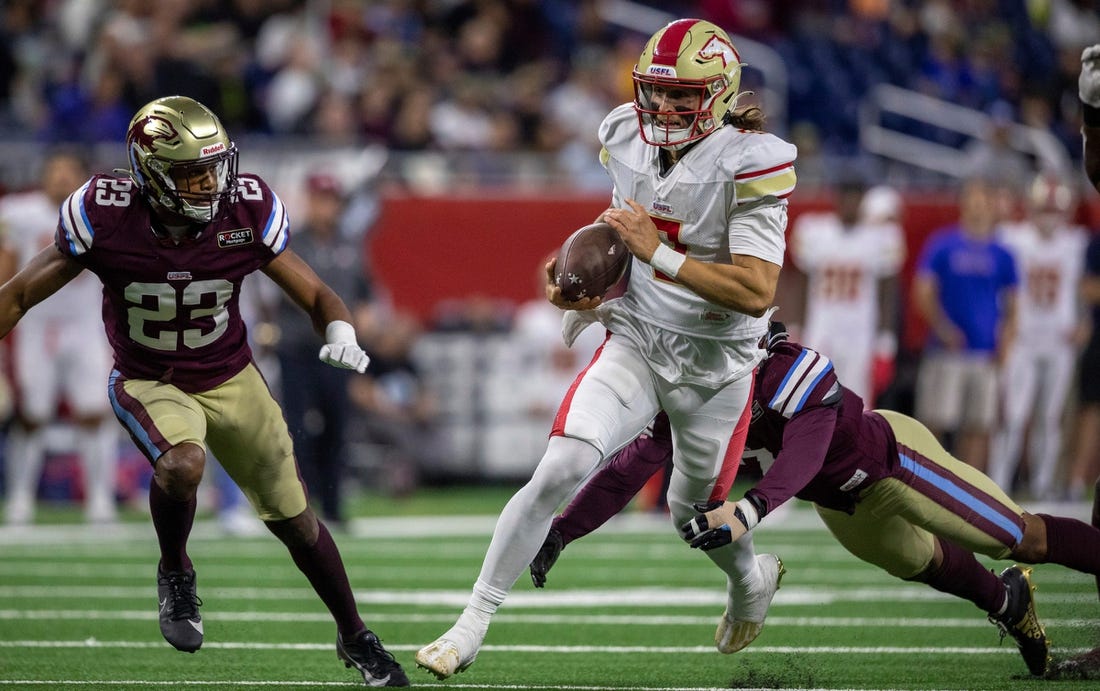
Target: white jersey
[843,267]
[1050,270]
[726,195]
[28,222]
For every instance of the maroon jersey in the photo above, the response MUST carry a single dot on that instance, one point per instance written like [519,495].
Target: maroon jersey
[171,311]
[810,435]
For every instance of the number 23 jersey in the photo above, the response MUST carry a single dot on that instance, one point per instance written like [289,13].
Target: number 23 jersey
[171,310]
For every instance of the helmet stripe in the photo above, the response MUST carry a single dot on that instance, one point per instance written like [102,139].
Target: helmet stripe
[667,49]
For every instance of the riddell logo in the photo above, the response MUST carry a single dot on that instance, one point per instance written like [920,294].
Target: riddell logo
[235,238]
[207,150]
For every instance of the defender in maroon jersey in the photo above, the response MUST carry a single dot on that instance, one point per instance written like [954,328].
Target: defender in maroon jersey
[880,481]
[172,242]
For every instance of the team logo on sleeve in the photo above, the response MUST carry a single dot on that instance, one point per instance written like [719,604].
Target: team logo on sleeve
[235,238]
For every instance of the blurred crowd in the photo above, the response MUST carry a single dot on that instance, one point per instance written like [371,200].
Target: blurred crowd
[512,75]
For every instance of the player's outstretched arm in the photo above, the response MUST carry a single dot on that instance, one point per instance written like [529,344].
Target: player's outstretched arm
[330,316]
[46,274]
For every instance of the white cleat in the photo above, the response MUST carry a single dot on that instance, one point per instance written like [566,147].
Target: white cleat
[444,657]
[19,511]
[736,632]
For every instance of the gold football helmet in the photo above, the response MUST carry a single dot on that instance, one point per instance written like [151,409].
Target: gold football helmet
[181,158]
[685,82]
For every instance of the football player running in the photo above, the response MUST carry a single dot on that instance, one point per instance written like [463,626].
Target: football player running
[700,200]
[171,241]
[883,485]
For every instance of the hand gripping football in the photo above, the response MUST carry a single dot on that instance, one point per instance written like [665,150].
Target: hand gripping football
[592,260]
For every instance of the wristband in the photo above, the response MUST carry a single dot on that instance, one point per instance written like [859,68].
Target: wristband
[1091,115]
[339,332]
[746,513]
[667,260]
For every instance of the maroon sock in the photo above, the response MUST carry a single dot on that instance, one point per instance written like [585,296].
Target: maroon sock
[1072,543]
[322,565]
[172,519]
[613,486]
[961,575]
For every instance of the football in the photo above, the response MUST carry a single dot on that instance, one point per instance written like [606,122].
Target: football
[591,261]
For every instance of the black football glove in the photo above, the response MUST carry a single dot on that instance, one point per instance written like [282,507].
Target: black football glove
[698,532]
[544,560]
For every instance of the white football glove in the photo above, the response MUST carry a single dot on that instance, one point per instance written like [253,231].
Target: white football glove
[1088,84]
[341,350]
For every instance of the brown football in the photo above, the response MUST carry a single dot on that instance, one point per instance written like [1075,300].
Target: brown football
[591,260]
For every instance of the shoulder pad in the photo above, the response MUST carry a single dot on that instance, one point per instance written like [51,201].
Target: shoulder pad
[762,165]
[92,206]
[794,377]
[265,210]
[619,128]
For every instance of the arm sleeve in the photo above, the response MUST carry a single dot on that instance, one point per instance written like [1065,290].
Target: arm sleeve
[74,227]
[763,179]
[760,229]
[806,440]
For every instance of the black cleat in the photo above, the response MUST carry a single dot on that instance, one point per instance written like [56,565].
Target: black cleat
[366,654]
[544,560]
[180,623]
[1020,621]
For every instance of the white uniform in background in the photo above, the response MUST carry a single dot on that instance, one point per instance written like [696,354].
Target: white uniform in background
[60,352]
[843,267]
[1039,367]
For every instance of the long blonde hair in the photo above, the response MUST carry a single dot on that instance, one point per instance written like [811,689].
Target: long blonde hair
[747,118]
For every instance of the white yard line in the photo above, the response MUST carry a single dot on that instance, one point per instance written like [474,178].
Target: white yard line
[649,597]
[532,619]
[553,649]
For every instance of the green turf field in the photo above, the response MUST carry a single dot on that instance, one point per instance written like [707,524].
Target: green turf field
[627,608]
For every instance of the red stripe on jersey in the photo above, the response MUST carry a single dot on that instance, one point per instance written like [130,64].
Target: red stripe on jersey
[667,50]
[735,450]
[558,430]
[755,173]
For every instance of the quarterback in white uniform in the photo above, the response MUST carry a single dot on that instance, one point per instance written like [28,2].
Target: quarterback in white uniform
[1038,369]
[59,352]
[851,267]
[700,200]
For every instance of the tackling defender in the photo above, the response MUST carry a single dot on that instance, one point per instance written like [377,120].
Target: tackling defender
[700,200]
[171,242]
[880,481]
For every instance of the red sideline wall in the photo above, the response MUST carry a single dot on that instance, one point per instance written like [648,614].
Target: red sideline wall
[429,249]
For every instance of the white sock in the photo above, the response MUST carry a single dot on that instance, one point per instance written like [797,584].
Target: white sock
[98,451]
[26,456]
[524,523]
